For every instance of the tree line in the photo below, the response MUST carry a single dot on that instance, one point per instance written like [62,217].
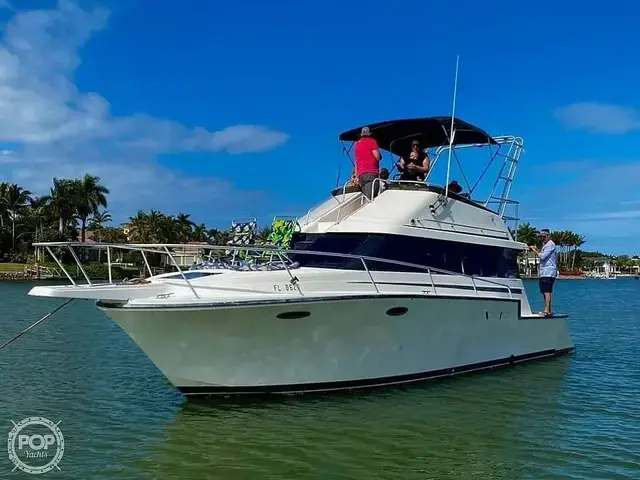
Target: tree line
[570,256]
[26,218]
[72,207]
[567,243]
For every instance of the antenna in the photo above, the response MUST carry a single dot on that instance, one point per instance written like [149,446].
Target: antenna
[452,133]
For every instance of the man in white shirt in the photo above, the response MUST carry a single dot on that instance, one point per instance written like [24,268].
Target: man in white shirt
[548,269]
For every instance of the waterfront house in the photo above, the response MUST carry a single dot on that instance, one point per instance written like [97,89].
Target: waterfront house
[187,255]
[529,264]
[601,266]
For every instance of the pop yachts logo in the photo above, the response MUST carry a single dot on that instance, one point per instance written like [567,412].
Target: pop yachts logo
[35,445]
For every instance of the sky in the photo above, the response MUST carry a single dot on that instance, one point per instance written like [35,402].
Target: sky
[233,109]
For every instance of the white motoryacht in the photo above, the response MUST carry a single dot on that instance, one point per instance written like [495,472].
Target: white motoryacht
[415,283]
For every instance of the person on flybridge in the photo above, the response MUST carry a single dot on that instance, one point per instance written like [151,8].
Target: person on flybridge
[414,166]
[368,159]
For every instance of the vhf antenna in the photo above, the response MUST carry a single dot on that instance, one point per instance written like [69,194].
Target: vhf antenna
[452,132]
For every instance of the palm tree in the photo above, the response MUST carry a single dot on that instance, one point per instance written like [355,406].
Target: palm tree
[15,199]
[578,241]
[200,233]
[38,212]
[138,227]
[98,220]
[4,187]
[183,227]
[218,237]
[90,196]
[63,201]
[528,234]
[96,226]
[152,227]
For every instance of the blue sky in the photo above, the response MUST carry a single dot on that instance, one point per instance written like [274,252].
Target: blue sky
[233,109]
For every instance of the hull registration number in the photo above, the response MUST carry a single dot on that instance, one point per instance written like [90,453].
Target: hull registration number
[285,287]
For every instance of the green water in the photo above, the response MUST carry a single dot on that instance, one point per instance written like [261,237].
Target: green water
[573,417]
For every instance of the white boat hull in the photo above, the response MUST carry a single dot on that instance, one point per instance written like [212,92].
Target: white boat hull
[343,343]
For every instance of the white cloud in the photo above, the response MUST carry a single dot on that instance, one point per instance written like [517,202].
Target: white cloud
[61,131]
[598,117]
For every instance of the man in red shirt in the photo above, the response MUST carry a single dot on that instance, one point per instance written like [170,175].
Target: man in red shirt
[367,162]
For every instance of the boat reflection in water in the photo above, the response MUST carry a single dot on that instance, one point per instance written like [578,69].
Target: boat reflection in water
[503,425]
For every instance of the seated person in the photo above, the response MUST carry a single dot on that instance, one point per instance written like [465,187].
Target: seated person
[384,176]
[416,165]
[455,187]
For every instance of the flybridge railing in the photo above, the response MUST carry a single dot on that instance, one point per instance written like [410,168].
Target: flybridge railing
[283,260]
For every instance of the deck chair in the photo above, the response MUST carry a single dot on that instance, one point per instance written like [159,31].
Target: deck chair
[282,230]
[243,232]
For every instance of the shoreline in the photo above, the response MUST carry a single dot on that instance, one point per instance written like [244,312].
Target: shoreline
[21,276]
[17,276]
[559,277]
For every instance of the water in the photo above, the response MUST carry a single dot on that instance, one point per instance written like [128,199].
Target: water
[573,417]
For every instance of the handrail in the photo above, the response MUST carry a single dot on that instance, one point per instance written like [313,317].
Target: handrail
[463,225]
[163,248]
[362,199]
[340,201]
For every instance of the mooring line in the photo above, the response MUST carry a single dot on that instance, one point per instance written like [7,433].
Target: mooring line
[34,324]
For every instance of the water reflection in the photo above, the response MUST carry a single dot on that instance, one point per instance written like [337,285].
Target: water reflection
[483,425]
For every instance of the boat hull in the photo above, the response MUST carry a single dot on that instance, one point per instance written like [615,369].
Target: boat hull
[329,344]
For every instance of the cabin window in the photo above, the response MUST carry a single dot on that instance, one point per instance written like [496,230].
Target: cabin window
[458,257]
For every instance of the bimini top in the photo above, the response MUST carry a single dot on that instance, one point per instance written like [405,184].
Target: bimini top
[395,136]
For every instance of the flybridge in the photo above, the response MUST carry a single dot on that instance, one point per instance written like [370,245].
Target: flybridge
[451,136]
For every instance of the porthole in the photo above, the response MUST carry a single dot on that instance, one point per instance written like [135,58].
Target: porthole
[293,315]
[397,311]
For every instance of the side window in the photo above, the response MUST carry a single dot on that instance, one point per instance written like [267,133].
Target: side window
[327,243]
[457,257]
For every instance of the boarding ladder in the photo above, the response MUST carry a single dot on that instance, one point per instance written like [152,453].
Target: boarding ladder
[499,196]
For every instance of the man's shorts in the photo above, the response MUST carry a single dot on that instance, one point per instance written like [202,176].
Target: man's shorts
[546,284]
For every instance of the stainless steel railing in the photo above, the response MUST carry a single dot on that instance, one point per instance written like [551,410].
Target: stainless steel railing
[287,264]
